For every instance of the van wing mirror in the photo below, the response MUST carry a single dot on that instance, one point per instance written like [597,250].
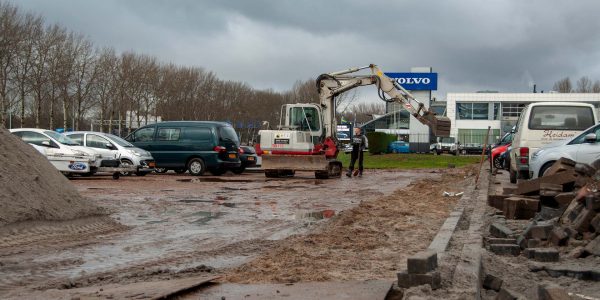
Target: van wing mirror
[590,138]
[109,146]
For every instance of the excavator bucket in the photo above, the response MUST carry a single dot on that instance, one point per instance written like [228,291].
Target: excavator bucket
[440,126]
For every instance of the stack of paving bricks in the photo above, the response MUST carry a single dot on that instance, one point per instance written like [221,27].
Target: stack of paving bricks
[568,213]
[421,270]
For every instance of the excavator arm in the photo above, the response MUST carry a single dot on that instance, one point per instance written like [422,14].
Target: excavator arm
[332,84]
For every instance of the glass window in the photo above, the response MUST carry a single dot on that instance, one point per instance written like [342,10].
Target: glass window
[119,141]
[144,134]
[472,111]
[581,138]
[61,138]
[197,134]
[512,109]
[227,133]
[496,111]
[169,134]
[306,118]
[77,137]
[561,118]
[33,137]
[96,141]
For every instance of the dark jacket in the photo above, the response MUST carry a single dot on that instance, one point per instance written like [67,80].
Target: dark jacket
[359,142]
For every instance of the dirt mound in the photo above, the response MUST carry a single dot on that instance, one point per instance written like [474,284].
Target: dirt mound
[367,242]
[31,189]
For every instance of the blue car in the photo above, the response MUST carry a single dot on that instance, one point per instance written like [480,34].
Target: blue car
[398,147]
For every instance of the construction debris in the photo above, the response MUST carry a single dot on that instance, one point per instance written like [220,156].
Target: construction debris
[421,269]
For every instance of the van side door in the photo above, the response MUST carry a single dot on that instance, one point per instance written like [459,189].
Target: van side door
[167,148]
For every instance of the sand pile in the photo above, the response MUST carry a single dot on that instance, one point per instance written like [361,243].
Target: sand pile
[31,189]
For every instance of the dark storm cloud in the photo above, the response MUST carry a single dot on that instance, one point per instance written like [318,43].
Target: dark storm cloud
[474,45]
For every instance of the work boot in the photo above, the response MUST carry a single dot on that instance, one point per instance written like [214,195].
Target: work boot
[359,173]
[349,173]
[355,172]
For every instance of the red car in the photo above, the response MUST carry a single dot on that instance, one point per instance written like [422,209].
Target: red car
[498,149]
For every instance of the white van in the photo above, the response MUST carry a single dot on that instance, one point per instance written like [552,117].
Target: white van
[542,123]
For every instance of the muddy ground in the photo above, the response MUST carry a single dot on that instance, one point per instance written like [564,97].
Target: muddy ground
[176,226]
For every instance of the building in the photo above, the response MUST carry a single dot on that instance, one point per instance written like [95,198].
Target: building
[471,113]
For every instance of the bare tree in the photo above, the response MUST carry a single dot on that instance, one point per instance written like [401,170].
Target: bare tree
[563,86]
[596,87]
[584,85]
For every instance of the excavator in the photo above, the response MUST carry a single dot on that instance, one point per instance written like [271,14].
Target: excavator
[306,139]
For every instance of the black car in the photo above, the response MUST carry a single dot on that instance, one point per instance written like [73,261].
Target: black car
[248,158]
[471,148]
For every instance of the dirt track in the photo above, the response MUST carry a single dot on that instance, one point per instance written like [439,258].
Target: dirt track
[177,225]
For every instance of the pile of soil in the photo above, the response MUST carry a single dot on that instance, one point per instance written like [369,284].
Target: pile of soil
[371,241]
[31,189]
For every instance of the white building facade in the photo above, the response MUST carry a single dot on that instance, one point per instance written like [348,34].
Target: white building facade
[471,113]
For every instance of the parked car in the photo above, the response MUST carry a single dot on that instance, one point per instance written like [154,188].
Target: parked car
[470,148]
[248,158]
[113,146]
[498,150]
[446,145]
[65,154]
[584,148]
[193,146]
[398,147]
[542,123]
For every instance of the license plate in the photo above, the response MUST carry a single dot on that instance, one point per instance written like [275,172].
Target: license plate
[250,157]
[152,165]
[232,155]
[282,141]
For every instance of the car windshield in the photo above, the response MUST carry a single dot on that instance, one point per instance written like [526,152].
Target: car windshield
[61,138]
[448,140]
[119,141]
[228,134]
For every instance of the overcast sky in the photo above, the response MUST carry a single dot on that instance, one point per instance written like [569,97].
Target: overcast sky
[473,45]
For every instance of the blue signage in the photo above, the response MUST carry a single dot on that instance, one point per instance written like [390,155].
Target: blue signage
[416,81]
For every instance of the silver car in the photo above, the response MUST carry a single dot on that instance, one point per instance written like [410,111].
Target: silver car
[110,145]
[584,148]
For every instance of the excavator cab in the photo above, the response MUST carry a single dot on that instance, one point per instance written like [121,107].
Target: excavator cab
[440,126]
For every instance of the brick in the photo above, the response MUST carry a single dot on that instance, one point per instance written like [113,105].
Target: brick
[500,231]
[581,181]
[551,187]
[496,201]
[522,242]
[592,202]
[494,241]
[593,247]
[540,231]
[491,282]
[528,187]
[529,252]
[564,199]
[547,213]
[422,262]
[565,177]
[559,237]
[546,255]
[583,219]
[585,169]
[407,280]
[520,207]
[595,223]
[552,292]
[577,252]
[573,211]
[507,294]
[505,249]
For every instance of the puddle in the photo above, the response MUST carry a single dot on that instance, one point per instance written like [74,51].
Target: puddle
[156,222]
[227,204]
[316,215]
[195,201]
[205,216]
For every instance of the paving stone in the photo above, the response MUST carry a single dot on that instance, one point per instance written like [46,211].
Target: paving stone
[540,231]
[552,292]
[507,294]
[520,207]
[500,231]
[585,169]
[493,241]
[491,282]
[559,237]
[422,262]
[505,249]
[528,187]
[534,243]
[593,247]
[577,252]
[546,254]
[564,199]
[547,213]
[583,219]
[568,270]
[407,280]
[566,177]
[522,242]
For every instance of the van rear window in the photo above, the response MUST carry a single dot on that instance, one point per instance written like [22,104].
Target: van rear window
[168,134]
[561,118]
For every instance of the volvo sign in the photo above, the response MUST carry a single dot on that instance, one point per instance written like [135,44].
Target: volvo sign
[416,81]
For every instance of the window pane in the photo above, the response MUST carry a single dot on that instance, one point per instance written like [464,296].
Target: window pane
[306,118]
[464,111]
[77,138]
[480,111]
[96,141]
[168,134]
[561,118]
[144,135]
[197,134]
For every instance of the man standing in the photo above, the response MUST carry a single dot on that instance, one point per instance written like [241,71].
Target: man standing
[359,143]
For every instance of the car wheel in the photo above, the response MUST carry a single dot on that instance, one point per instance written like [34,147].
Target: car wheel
[239,170]
[126,163]
[196,166]
[180,171]
[160,170]
[513,176]
[545,168]
[497,162]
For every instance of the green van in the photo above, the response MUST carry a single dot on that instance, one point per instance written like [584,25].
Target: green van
[195,146]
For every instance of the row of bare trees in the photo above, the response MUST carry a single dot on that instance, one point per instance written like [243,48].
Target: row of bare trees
[51,77]
[583,85]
